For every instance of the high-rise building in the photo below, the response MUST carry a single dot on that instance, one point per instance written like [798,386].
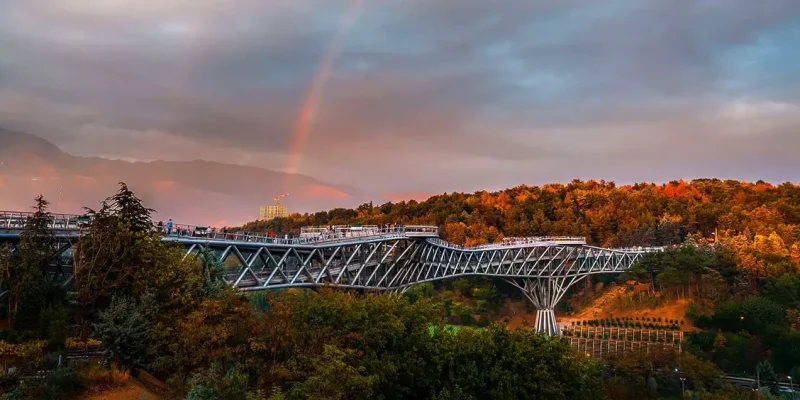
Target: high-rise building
[276,211]
[270,212]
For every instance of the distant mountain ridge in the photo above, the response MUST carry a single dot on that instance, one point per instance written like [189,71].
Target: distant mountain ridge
[188,191]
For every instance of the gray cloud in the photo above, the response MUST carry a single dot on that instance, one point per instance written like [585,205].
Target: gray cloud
[466,94]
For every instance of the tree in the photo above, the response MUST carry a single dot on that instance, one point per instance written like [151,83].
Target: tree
[768,377]
[336,375]
[215,330]
[123,329]
[131,210]
[216,383]
[104,259]
[119,243]
[500,364]
[24,271]
[212,270]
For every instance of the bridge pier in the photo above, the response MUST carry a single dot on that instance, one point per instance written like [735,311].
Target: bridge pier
[544,293]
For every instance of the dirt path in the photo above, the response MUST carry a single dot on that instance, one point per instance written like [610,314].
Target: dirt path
[132,391]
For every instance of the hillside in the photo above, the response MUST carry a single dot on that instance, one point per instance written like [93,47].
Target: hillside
[606,214]
[194,192]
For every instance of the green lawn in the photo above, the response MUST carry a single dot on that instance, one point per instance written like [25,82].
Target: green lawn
[450,328]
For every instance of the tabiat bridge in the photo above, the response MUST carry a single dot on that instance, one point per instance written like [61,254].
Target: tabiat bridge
[370,257]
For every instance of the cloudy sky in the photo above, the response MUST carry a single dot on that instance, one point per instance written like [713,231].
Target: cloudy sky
[415,96]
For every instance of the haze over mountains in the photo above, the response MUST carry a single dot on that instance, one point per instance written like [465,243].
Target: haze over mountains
[200,192]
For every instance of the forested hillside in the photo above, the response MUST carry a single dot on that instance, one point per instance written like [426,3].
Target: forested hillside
[137,306]
[758,219]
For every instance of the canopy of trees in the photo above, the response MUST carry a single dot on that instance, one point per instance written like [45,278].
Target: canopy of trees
[150,307]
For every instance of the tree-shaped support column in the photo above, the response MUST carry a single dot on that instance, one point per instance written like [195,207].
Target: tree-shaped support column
[544,294]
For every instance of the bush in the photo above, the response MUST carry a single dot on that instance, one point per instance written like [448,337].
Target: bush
[61,383]
[754,314]
[123,328]
[53,325]
[481,305]
[96,375]
[466,317]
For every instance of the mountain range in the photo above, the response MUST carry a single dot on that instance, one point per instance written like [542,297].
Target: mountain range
[195,192]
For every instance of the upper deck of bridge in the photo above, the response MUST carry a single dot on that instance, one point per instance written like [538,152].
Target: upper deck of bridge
[12,223]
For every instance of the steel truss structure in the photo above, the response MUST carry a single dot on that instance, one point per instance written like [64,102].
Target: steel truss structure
[543,268]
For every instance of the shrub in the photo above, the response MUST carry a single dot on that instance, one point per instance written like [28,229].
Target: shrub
[54,326]
[96,375]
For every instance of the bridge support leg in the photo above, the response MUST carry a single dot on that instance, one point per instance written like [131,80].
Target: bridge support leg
[544,294]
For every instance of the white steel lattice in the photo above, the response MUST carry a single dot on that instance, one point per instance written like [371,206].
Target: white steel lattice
[389,259]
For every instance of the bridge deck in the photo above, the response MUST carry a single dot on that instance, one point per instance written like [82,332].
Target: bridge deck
[13,222]
[371,257]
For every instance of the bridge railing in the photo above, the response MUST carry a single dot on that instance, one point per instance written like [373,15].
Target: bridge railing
[511,242]
[310,235]
[365,230]
[641,249]
[18,219]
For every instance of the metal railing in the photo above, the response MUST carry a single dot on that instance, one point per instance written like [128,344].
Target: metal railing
[18,219]
[641,249]
[521,242]
[15,220]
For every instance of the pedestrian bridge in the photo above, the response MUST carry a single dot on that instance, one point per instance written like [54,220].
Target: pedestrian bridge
[392,258]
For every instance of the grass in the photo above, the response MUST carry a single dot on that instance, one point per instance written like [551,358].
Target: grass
[95,375]
[449,328]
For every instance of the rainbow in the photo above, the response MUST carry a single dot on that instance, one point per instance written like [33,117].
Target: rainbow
[305,118]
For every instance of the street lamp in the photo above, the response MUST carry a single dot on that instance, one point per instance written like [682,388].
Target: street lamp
[682,381]
[791,386]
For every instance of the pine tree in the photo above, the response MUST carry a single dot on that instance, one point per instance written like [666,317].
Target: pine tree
[24,270]
[130,210]
[767,376]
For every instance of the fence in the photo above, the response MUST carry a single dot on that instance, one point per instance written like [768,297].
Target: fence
[601,341]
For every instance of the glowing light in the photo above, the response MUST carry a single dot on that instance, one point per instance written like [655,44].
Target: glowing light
[305,118]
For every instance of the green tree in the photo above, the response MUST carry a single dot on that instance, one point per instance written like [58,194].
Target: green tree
[130,210]
[24,271]
[213,331]
[123,329]
[54,326]
[215,383]
[768,377]
[104,259]
[335,375]
[497,363]
[212,272]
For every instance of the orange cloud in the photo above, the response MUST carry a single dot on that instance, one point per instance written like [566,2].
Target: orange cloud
[84,181]
[405,196]
[325,191]
[165,185]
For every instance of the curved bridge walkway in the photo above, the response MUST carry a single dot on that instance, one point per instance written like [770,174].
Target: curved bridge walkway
[373,258]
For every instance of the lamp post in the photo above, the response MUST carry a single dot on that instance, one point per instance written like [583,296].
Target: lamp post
[682,381]
[791,386]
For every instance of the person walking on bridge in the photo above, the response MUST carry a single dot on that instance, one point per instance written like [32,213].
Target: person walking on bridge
[169,227]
